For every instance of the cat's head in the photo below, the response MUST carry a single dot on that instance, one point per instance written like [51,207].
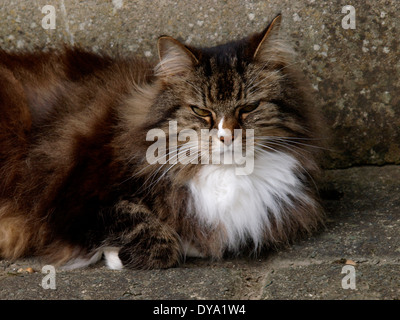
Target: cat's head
[249,84]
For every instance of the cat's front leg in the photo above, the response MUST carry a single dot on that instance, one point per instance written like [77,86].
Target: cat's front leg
[140,240]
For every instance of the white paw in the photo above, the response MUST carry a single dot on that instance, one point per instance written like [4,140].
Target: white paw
[112,260]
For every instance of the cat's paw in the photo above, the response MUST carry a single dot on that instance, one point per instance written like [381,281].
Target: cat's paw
[151,247]
[113,261]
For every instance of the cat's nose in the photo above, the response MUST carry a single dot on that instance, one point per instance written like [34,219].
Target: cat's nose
[227,139]
[226,130]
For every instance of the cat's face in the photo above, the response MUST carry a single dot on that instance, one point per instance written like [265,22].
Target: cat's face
[231,96]
[236,91]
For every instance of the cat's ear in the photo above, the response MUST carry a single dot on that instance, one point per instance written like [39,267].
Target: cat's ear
[175,57]
[268,46]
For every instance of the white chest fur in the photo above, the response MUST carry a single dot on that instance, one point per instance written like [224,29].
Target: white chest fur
[244,204]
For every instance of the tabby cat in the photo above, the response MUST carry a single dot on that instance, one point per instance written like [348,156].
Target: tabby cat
[76,179]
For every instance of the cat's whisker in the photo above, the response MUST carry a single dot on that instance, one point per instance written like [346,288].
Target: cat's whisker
[188,147]
[305,145]
[166,171]
[287,147]
[170,160]
[189,162]
[290,149]
[194,157]
[290,140]
[174,150]
[285,143]
[262,149]
[294,138]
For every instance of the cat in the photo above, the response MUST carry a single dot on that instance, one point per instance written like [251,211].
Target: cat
[76,180]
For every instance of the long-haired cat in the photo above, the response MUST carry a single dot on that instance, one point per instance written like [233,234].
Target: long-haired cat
[76,179]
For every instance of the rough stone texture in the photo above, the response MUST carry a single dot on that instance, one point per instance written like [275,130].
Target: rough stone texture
[363,224]
[355,73]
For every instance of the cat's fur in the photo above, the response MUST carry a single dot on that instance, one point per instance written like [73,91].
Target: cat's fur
[74,180]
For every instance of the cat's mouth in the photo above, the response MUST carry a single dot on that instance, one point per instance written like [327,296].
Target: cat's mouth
[236,148]
[188,146]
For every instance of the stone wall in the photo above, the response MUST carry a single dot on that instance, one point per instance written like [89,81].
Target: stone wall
[355,72]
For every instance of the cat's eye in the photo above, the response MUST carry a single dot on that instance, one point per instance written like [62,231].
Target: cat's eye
[201,112]
[250,107]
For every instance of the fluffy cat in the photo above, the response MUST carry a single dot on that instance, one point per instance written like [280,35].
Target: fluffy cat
[76,180]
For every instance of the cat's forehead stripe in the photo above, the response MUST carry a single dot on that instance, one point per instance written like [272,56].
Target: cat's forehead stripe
[224,83]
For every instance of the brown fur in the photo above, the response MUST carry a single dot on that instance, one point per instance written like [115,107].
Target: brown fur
[72,145]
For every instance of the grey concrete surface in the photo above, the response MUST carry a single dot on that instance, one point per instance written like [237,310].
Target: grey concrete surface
[355,72]
[362,230]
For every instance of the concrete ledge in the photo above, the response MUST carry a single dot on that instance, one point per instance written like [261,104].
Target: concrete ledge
[362,231]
